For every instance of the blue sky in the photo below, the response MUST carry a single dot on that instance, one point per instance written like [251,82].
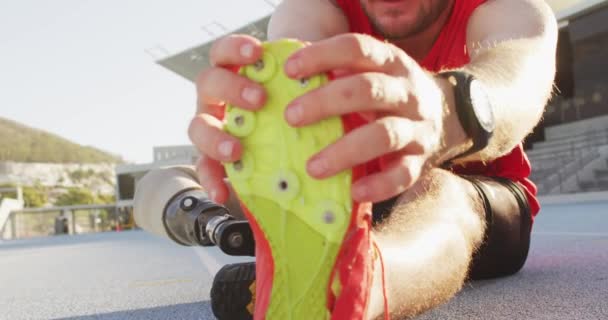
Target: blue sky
[79,68]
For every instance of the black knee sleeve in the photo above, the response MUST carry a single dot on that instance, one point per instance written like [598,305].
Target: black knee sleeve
[508,224]
[507,238]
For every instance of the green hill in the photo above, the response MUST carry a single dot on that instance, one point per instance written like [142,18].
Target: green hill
[20,143]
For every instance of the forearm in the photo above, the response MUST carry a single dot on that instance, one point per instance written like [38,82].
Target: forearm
[516,65]
[518,77]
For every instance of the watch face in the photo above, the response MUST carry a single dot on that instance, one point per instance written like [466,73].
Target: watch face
[482,106]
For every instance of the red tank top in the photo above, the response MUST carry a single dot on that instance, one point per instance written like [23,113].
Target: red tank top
[449,51]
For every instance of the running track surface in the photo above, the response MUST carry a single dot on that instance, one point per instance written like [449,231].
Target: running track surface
[134,275]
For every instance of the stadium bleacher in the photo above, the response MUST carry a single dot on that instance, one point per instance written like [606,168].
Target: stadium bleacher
[573,158]
[565,147]
[569,148]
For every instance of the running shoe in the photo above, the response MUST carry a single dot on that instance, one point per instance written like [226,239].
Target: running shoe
[313,246]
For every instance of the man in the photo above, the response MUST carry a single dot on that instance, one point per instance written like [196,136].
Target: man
[452,198]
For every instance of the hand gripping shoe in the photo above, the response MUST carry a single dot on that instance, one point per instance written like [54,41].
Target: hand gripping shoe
[313,246]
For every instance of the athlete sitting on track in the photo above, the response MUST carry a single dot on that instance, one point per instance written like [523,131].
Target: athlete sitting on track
[450,89]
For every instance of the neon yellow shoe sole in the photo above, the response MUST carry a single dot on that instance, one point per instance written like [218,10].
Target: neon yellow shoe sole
[300,220]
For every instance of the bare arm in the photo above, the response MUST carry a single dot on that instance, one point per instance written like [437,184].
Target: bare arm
[308,20]
[512,47]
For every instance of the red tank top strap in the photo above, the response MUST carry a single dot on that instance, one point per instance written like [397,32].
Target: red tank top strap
[450,50]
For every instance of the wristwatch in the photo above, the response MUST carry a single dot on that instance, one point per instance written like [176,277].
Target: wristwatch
[473,108]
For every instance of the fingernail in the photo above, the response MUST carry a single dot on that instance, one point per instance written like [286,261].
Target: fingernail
[247,50]
[292,67]
[225,148]
[361,192]
[317,166]
[251,95]
[294,114]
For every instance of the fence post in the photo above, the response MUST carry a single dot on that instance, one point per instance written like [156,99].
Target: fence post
[73,215]
[13,226]
[117,220]
[20,195]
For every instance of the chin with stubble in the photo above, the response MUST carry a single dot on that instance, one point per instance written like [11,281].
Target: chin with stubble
[398,19]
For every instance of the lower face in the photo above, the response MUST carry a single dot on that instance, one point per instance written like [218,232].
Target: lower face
[397,19]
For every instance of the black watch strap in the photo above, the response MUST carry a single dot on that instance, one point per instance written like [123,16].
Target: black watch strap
[469,120]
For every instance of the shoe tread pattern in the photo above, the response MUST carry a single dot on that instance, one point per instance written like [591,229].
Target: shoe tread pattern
[303,219]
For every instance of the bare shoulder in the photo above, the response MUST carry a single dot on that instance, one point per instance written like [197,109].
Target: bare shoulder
[309,20]
[498,20]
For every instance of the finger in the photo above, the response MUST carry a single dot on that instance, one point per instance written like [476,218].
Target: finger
[216,86]
[216,109]
[351,51]
[357,93]
[340,73]
[206,134]
[211,175]
[396,179]
[235,50]
[383,136]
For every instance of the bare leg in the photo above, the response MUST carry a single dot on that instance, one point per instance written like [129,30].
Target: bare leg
[427,244]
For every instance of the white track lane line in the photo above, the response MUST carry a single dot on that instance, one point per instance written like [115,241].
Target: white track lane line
[208,259]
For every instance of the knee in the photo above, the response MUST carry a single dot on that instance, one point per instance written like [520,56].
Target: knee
[452,197]
[435,178]
[444,197]
[430,185]
[440,184]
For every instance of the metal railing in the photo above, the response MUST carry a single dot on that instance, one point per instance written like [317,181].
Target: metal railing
[569,146]
[563,159]
[40,222]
